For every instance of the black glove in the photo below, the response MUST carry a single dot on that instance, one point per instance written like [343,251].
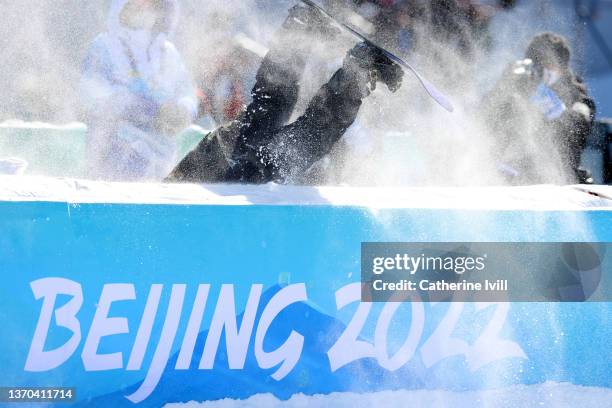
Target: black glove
[369,57]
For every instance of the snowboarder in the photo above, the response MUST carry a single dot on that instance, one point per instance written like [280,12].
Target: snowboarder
[260,146]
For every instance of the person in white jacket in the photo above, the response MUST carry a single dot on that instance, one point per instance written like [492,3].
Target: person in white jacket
[136,92]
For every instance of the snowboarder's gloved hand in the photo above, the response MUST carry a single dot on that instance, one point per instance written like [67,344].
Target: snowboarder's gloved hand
[377,64]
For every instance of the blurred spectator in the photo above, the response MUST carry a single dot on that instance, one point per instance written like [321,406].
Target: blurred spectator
[461,25]
[222,89]
[13,166]
[137,93]
[541,112]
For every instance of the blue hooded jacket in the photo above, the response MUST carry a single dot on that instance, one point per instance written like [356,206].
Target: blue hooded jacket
[127,76]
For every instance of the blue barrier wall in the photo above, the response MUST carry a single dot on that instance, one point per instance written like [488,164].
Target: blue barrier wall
[205,302]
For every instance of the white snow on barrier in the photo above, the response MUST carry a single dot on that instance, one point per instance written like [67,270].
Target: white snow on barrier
[535,198]
[549,394]
[20,124]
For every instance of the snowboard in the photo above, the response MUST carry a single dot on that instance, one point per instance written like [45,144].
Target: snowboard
[435,94]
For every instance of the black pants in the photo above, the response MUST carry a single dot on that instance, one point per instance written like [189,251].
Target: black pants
[260,146]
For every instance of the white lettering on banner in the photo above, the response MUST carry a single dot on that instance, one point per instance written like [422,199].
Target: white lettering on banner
[490,346]
[407,350]
[164,347]
[146,326]
[193,328]
[350,346]
[487,348]
[103,326]
[236,342]
[290,352]
[441,345]
[65,316]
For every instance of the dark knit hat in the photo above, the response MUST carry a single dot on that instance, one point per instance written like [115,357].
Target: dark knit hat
[549,48]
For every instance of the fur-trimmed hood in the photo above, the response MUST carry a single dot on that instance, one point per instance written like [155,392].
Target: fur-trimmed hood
[166,24]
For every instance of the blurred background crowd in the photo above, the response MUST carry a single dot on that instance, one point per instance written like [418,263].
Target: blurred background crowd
[53,57]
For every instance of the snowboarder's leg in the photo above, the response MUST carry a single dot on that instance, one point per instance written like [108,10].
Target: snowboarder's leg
[273,99]
[276,90]
[296,147]
[209,161]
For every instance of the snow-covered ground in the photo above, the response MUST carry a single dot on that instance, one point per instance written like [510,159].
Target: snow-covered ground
[549,394]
